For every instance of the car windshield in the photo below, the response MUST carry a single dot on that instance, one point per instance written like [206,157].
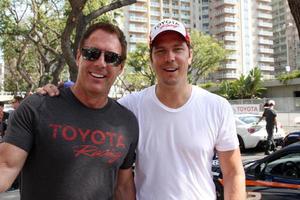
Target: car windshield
[249,119]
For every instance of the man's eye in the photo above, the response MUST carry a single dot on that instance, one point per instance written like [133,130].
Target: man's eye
[179,49]
[160,51]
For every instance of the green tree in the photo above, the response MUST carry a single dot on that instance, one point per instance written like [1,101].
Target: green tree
[208,53]
[138,71]
[245,87]
[39,37]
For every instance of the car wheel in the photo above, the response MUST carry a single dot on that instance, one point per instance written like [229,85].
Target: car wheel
[242,144]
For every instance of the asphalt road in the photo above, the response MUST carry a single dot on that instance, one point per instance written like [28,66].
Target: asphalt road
[249,154]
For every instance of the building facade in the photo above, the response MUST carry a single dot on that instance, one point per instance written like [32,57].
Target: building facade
[258,33]
[286,39]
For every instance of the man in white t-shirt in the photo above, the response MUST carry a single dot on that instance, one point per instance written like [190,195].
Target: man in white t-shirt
[180,128]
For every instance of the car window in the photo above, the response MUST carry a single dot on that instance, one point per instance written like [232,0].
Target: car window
[286,166]
[249,119]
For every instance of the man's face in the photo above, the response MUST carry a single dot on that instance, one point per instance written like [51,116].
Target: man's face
[15,103]
[171,58]
[95,77]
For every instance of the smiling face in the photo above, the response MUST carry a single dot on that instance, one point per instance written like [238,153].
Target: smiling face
[95,77]
[171,58]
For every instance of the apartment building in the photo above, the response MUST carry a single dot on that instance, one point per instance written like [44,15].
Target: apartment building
[286,39]
[141,16]
[245,27]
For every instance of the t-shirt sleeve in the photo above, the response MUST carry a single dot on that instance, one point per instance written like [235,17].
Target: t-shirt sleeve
[131,155]
[22,122]
[227,137]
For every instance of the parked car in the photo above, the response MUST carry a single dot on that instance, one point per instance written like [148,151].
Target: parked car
[291,138]
[253,135]
[276,176]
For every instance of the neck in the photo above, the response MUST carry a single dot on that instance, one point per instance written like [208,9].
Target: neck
[173,97]
[88,99]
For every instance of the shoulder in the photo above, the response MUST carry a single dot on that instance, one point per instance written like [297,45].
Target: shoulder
[131,101]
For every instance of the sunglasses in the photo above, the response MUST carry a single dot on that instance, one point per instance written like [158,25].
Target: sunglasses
[93,54]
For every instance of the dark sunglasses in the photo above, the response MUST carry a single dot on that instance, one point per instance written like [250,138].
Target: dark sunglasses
[93,54]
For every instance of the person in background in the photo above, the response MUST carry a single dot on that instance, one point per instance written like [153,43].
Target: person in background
[181,126]
[3,120]
[81,144]
[16,101]
[270,115]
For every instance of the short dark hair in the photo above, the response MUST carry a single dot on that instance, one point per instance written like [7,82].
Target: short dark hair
[18,98]
[109,28]
[1,104]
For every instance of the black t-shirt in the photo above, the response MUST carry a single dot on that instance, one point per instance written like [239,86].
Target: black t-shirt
[270,115]
[75,152]
[3,123]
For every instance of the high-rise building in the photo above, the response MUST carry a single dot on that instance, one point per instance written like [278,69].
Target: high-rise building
[245,27]
[286,39]
[141,16]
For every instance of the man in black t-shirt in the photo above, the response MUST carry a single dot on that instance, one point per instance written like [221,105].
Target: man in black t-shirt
[80,145]
[271,123]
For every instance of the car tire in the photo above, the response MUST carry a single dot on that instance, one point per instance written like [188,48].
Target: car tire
[242,144]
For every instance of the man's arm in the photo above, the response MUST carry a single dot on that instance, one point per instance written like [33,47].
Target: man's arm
[233,175]
[12,159]
[125,189]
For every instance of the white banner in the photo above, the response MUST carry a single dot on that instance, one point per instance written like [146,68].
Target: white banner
[245,108]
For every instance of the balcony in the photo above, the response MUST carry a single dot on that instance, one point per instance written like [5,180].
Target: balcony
[137,19]
[265,33]
[226,11]
[265,50]
[230,47]
[137,29]
[231,66]
[264,16]
[265,42]
[155,4]
[227,76]
[137,8]
[227,20]
[137,40]
[227,29]
[265,24]
[230,38]
[225,2]
[267,68]
[233,57]
[264,7]
[266,59]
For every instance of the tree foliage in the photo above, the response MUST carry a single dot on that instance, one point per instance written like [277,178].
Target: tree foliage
[245,87]
[208,53]
[39,37]
[285,77]
[138,71]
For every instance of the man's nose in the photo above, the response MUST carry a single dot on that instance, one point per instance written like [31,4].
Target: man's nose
[100,62]
[170,56]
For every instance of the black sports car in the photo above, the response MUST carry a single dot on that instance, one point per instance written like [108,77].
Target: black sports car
[274,177]
[292,137]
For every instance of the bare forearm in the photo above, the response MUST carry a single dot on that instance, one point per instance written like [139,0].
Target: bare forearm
[234,187]
[125,193]
[5,180]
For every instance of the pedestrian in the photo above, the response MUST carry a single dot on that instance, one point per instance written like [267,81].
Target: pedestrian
[3,120]
[181,126]
[270,116]
[81,144]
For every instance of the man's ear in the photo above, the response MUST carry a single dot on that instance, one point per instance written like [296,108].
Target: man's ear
[78,54]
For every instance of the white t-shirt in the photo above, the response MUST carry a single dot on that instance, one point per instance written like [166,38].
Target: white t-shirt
[176,146]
